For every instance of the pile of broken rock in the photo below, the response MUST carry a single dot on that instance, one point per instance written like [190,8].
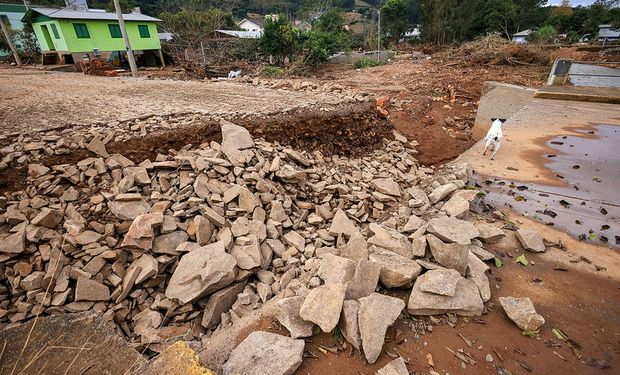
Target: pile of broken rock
[199,238]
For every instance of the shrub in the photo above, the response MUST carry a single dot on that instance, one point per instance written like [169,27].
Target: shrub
[368,63]
[273,71]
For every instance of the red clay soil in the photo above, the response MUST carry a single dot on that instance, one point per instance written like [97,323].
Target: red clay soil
[583,305]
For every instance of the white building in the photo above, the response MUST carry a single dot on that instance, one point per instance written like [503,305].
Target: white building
[254,24]
[607,33]
[521,37]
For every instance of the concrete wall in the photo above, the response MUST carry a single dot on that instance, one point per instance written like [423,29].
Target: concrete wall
[499,100]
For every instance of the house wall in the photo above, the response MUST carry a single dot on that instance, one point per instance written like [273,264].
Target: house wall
[99,36]
[250,26]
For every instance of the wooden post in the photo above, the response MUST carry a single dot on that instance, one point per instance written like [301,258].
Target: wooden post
[161,58]
[7,35]
[202,49]
[130,57]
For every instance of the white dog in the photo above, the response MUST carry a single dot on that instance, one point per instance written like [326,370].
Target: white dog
[494,136]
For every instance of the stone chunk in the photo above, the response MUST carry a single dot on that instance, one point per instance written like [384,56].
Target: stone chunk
[295,239]
[395,367]
[129,210]
[235,139]
[287,313]
[201,272]
[323,305]
[97,147]
[441,282]
[456,206]
[451,229]
[449,255]
[14,243]
[466,301]
[48,218]
[265,353]
[356,249]
[522,312]
[376,313]
[341,224]
[349,325]
[413,224]
[396,270]
[531,240]
[489,233]
[219,303]
[335,269]
[141,232]
[441,192]
[386,186]
[364,281]
[167,243]
[390,239]
[91,290]
[477,273]
[148,267]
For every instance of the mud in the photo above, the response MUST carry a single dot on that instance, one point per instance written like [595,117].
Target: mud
[585,201]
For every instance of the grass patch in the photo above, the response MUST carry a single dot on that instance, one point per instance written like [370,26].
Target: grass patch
[367,63]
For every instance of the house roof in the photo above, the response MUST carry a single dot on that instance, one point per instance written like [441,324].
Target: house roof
[257,21]
[12,8]
[523,33]
[86,15]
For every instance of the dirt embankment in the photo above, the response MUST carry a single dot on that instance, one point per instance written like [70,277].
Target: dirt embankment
[348,129]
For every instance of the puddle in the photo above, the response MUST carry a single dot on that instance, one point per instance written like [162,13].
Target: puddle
[588,207]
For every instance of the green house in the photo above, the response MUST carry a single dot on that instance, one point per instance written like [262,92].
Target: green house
[68,36]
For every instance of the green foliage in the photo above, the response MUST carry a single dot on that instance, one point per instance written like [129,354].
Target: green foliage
[367,63]
[572,37]
[395,19]
[126,6]
[279,39]
[545,34]
[330,21]
[273,71]
[318,46]
[29,42]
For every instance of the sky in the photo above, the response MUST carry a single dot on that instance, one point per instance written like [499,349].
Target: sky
[573,2]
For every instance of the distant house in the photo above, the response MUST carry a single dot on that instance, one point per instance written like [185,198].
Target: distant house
[69,34]
[12,15]
[607,33]
[521,37]
[253,24]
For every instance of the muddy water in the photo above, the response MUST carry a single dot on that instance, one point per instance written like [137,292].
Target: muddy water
[587,205]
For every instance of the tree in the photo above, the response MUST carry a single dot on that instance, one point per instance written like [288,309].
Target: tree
[394,18]
[500,16]
[279,39]
[190,27]
[545,34]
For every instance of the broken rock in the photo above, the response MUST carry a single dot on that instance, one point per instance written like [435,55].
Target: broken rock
[265,353]
[395,367]
[201,272]
[451,229]
[376,313]
[449,255]
[323,305]
[287,313]
[442,282]
[466,300]
[531,240]
[396,270]
[522,312]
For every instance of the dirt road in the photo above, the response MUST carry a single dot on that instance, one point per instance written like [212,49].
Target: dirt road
[32,99]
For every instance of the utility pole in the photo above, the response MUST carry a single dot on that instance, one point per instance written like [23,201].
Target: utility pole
[121,23]
[7,35]
[379,34]
[27,4]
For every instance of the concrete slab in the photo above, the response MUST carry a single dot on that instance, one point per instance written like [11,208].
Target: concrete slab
[580,94]
[499,100]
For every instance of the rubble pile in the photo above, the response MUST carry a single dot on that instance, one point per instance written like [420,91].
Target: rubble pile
[199,238]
